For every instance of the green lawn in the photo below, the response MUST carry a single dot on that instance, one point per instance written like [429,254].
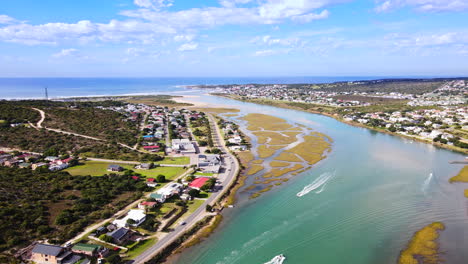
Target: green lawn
[96,168]
[203,174]
[140,247]
[175,161]
[193,205]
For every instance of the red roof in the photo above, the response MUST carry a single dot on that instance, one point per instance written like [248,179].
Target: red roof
[67,160]
[151,147]
[198,182]
[145,203]
[150,180]
[135,177]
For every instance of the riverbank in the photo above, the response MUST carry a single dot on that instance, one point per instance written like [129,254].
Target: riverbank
[339,118]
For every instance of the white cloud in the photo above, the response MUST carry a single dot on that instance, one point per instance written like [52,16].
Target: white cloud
[424,5]
[188,47]
[66,53]
[155,4]
[267,52]
[150,23]
[270,41]
[187,37]
[4,19]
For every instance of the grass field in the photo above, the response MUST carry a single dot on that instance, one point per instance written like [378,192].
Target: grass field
[203,174]
[96,168]
[175,161]
[140,247]
[281,172]
[311,149]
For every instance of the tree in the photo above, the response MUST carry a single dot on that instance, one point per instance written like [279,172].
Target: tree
[161,178]
[216,151]
[194,192]
[209,208]
[114,259]
[131,221]
[106,238]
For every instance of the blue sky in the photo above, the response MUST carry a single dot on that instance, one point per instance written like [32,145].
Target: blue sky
[167,38]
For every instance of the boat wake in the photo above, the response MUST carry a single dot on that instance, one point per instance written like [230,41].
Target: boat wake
[277,260]
[427,182]
[321,181]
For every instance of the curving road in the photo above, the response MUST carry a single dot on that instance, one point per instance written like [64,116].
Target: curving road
[227,178]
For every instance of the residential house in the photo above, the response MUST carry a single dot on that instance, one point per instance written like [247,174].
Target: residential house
[146,204]
[58,167]
[115,168]
[51,254]
[145,166]
[86,249]
[198,182]
[137,215]
[120,235]
[183,146]
[38,165]
[151,182]
[209,163]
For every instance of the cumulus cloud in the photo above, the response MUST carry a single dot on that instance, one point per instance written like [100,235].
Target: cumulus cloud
[188,47]
[424,5]
[270,41]
[150,22]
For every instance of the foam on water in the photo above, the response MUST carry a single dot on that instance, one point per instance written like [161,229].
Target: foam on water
[319,182]
[277,260]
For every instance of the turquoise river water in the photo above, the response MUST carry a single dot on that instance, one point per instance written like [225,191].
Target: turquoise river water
[380,189]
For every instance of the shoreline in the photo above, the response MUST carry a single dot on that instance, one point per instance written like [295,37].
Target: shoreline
[355,124]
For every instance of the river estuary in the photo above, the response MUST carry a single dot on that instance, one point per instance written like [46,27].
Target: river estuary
[375,191]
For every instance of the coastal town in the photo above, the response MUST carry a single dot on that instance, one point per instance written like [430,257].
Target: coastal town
[439,115]
[183,188]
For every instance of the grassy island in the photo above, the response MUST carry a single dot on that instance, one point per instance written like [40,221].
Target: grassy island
[462,176]
[423,247]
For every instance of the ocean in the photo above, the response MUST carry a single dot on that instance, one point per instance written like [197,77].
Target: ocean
[34,88]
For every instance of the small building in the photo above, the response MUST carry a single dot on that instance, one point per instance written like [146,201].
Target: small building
[58,167]
[209,163]
[86,249]
[160,198]
[137,215]
[24,165]
[183,146]
[151,182]
[115,168]
[51,254]
[39,165]
[145,166]
[198,182]
[120,235]
[146,204]
[186,197]
[51,158]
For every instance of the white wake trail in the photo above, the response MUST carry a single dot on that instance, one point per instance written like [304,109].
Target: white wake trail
[277,260]
[427,182]
[321,180]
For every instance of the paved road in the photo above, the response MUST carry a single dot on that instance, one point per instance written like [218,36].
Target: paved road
[228,177]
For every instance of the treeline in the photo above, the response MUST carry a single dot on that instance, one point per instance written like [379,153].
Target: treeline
[56,206]
[105,124]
